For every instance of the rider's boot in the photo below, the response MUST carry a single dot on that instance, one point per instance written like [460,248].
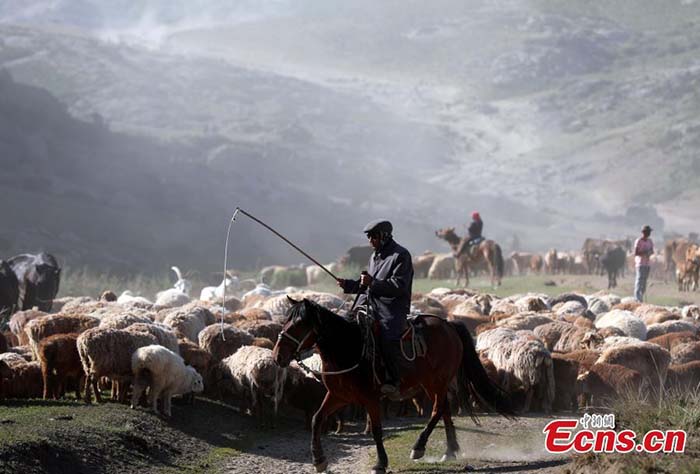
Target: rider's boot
[391,351]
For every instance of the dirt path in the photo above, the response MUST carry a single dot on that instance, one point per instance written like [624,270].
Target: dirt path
[289,453]
[497,446]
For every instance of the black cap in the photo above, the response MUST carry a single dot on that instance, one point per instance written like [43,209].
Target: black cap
[647,228]
[379,225]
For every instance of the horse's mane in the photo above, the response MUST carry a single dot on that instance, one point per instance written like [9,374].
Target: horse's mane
[338,338]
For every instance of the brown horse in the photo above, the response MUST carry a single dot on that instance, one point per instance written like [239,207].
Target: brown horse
[349,377]
[487,251]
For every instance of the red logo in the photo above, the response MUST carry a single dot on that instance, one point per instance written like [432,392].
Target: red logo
[598,436]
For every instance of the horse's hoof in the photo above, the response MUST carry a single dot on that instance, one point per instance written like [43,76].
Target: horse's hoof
[448,457]
[322,466]
[417,453]
[378,470]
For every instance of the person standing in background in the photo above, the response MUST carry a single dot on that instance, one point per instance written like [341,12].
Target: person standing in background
[643,249]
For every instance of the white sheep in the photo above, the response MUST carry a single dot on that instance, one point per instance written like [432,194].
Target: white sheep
[178,295]
[128,297]
[625,321]
[519,355]
[165,373]
[255,376]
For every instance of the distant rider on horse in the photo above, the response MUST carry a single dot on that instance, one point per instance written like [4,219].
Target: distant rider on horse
[388,291]
[475,229]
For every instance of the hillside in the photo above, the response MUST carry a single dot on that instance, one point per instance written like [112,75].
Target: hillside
[556,120]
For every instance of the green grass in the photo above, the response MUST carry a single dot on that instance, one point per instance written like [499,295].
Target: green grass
[86,282]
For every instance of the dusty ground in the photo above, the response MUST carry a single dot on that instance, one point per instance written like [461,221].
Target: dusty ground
[498,445]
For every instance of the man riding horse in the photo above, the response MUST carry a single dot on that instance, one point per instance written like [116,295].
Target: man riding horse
[475,229]
[387,288]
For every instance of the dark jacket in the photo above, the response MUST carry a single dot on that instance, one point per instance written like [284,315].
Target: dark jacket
[475,229]
[391,268]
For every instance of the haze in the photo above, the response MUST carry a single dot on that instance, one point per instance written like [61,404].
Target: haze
[129,131]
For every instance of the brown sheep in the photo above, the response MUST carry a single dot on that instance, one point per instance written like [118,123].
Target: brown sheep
[628,306]
[253,314]
[551,332]
[585,358]
[41,328]
[605,381]
[672,339]
[108,296]
[566,372]
[263,342]
[11,339]
[60,361]
[106,352]
[268,329]
[19,378]
[684,353]
[196,357]
[684,377]
[650,360]
[219,347]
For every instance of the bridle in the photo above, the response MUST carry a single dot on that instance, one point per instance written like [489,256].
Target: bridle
[296,355]
[297,352]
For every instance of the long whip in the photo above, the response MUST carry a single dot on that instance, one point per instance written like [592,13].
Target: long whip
[228,233]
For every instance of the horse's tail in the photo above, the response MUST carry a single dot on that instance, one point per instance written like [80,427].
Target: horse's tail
[474,380]
[499,261]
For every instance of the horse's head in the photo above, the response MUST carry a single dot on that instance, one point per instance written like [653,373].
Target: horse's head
[299,333]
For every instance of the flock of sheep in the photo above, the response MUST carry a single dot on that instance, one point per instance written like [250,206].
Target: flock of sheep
[548,353]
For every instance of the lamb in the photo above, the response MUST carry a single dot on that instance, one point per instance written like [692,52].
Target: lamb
[188,322]
[672,339]
[626,321]
[60,362]
[684,353]
[659,329]
[684,378]
[604,381]
[106,352]
[38,329]
[650,360]
[165,373]
[253,374]
[210,339]
[165,336]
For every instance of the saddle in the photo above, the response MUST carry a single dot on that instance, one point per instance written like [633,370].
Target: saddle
[412,340]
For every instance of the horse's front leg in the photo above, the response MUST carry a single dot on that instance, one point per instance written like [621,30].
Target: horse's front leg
[375,415]
[329,405]
[438,407]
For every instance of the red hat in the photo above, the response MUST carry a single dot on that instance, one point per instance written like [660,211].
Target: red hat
[475,215]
